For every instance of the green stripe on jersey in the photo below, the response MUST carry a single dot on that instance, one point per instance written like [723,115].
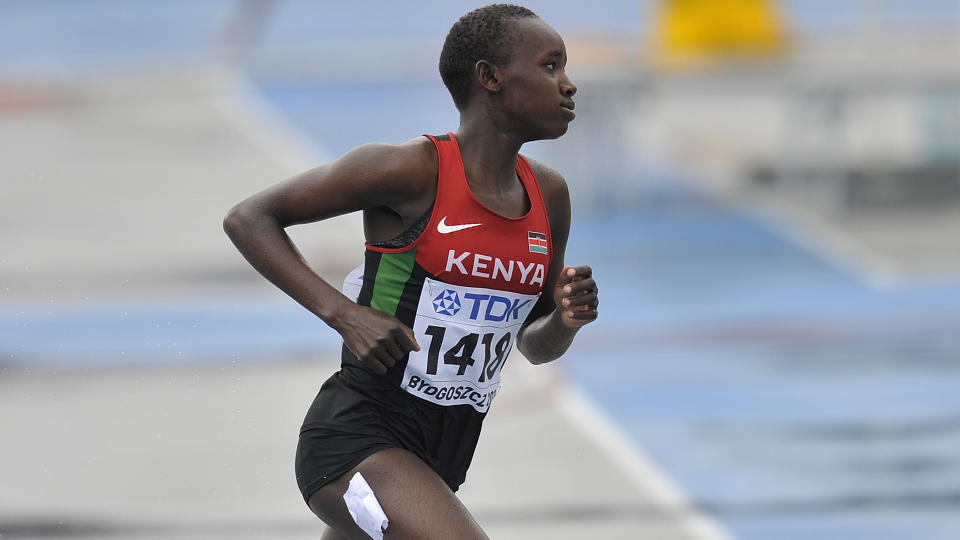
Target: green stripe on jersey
[392,275]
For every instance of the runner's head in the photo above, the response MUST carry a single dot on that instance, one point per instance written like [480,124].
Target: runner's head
[512,61]
[488,33]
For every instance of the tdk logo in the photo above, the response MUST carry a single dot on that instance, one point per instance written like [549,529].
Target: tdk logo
[486,307]
[498,308]
[447,303]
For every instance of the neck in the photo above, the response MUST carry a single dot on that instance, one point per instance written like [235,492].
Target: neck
[489,154]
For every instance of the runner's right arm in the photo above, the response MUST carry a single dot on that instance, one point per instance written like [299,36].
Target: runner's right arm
[373,177]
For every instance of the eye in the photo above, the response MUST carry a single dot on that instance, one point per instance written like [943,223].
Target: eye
[551,66]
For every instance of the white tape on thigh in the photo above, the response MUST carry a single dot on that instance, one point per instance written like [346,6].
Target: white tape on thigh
[364,507]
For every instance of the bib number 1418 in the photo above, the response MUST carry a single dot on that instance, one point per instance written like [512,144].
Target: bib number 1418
[461,354]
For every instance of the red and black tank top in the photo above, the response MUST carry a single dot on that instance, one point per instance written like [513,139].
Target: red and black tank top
[464,285]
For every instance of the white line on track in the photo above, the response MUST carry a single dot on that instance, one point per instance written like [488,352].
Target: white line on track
[610,440]
[815,235]
[266,127]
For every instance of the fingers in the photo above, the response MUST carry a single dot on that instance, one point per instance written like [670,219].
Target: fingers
[378,340]
[581,313]
[588,300]
[379,361]
[391,349]
[576,289]
[407,340]
[578,295]
[570,274]
[382,355]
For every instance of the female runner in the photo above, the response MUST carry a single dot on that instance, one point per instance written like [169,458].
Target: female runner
[462,235]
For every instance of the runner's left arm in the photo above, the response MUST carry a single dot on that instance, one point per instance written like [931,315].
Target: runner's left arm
[569,300]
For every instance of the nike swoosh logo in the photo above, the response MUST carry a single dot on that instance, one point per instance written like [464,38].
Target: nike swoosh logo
[443,228]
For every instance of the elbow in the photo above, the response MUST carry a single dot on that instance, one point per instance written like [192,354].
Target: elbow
[239,220]
[233,222]
[539,359]
[541,344]
[532,355]
[534,361]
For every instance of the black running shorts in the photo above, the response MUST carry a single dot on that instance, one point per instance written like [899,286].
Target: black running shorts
[358,412]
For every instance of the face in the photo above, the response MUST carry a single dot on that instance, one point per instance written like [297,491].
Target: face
[536,93]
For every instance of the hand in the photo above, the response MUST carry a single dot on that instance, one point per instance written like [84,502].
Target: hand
[575,295]
[377,339]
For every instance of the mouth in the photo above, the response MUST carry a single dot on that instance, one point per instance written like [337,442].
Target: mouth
[568,107]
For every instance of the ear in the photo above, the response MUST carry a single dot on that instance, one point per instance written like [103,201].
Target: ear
[488,75]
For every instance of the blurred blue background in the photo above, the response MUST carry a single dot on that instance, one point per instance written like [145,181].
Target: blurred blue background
[775,234]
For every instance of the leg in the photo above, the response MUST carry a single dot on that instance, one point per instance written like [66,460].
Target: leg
[418,504]
[330,534]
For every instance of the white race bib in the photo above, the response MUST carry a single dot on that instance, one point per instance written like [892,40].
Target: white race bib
[465,335]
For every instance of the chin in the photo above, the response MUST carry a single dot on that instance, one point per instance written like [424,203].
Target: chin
[548,132]
[558,133]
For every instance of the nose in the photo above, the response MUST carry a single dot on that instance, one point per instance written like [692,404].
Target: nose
[567,88]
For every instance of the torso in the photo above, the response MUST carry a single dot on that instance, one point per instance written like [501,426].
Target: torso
[465,285]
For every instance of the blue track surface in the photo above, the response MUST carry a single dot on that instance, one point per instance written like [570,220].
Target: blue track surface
[784,396]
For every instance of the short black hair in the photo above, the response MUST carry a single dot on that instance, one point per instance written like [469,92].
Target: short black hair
[482,34]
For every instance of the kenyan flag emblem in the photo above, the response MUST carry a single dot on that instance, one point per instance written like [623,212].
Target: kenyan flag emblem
[537,242]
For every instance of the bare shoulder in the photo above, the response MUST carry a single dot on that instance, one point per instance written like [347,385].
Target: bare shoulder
[411,164]
[397,176]
[552,183]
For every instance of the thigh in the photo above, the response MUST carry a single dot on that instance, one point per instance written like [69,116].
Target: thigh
[417,502]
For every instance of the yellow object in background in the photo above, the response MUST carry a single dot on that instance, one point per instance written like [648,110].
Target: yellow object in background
[689,32]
